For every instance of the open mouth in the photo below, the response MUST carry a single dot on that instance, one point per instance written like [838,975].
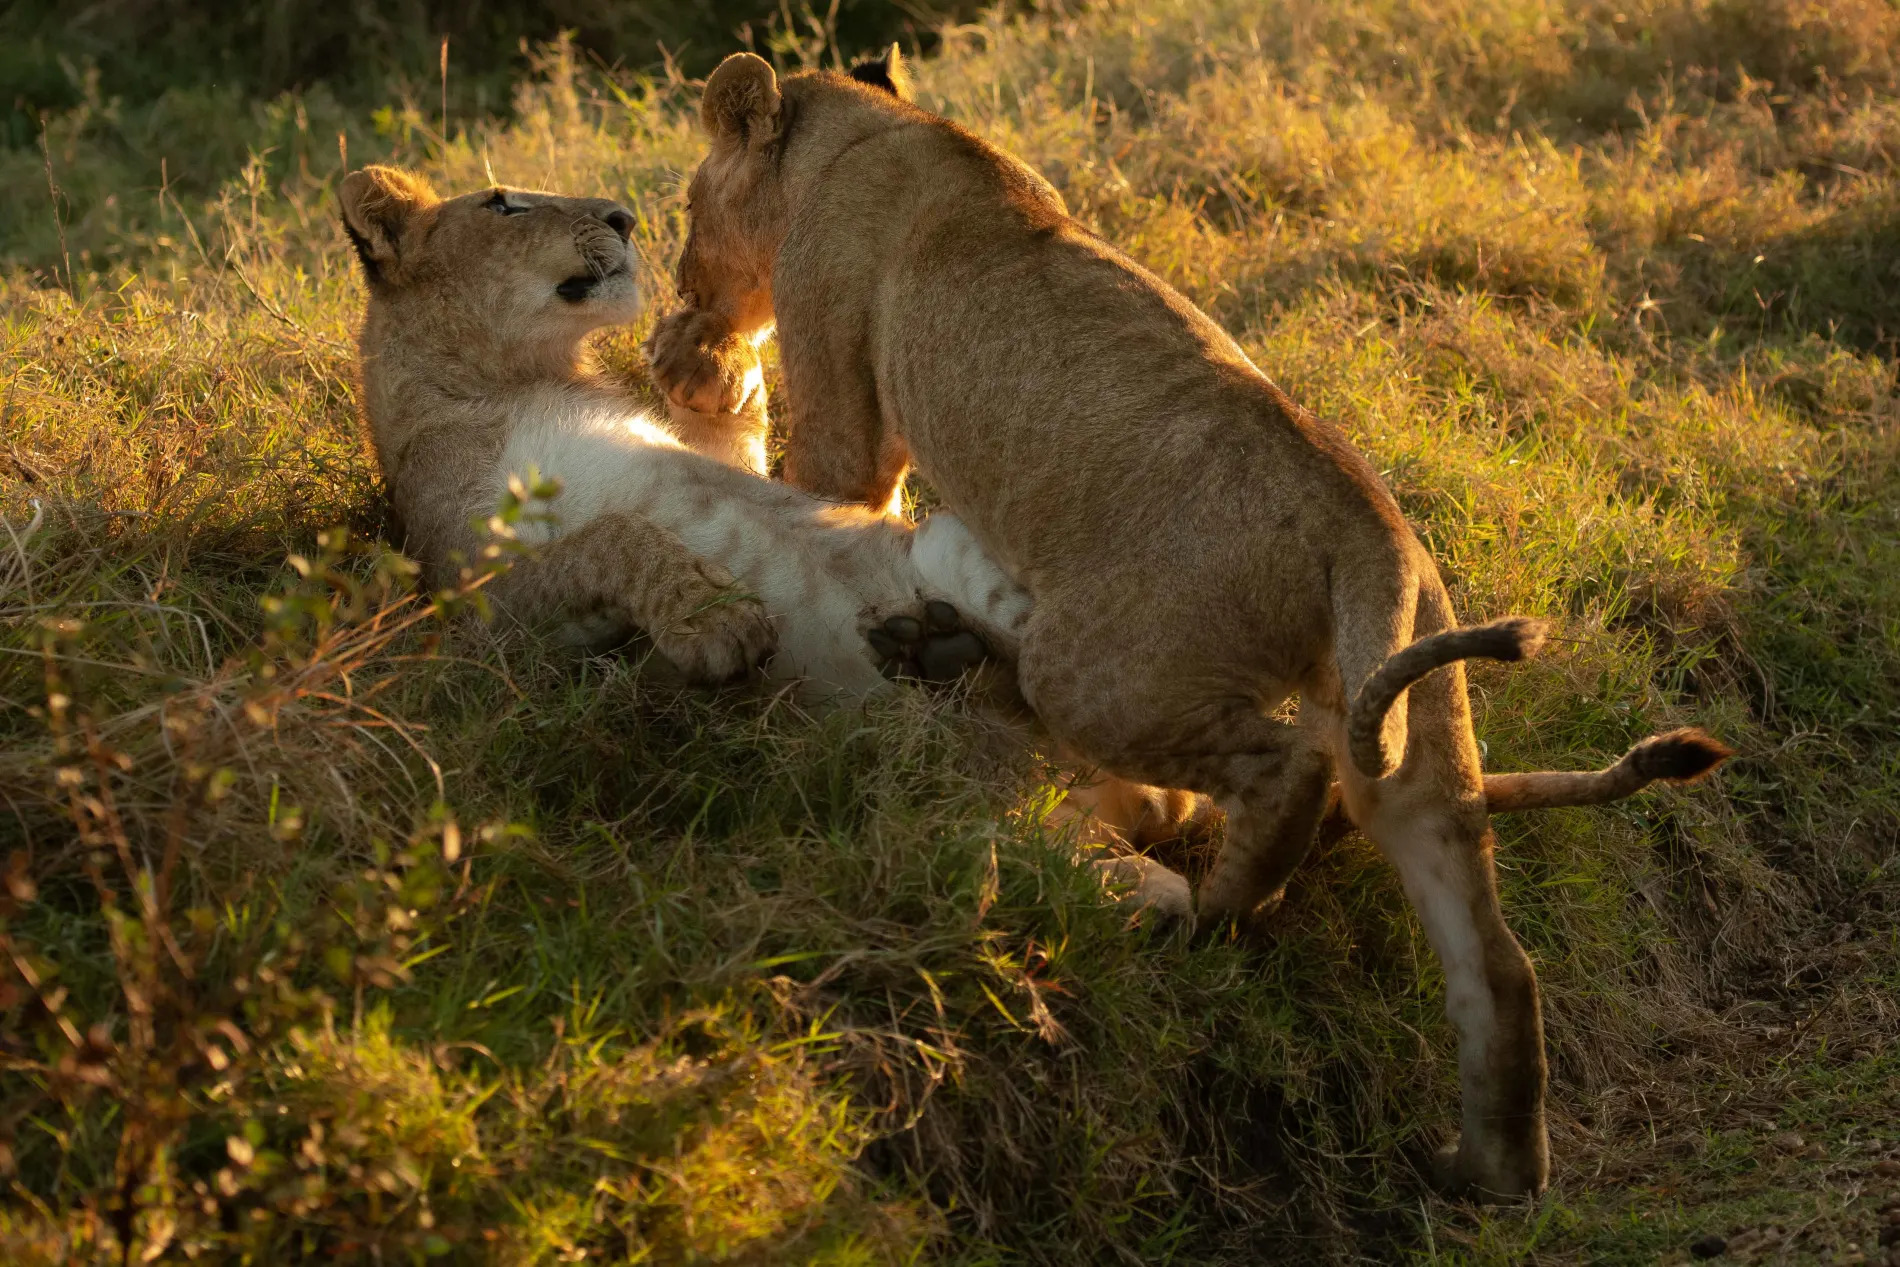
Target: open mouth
[581,286]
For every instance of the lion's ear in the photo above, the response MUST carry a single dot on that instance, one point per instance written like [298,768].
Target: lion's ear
[379,205]
[889,72]
[742,101]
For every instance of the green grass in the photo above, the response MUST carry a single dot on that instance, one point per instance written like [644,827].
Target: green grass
[339,927]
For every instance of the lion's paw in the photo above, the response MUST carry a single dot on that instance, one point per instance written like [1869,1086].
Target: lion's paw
[1150,886]
[701,365]
[933,649]
[723,634]
[1509,1170]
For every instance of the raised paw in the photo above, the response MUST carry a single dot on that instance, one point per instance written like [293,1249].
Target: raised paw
[935,649]
[719,633]
[701,365]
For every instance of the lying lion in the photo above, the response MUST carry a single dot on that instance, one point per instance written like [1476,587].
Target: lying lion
[474,374]
[1197,546]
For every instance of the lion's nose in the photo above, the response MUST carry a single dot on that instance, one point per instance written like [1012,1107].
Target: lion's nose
[620,222]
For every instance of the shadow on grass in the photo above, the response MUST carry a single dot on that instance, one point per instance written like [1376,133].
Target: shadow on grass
[1838,278]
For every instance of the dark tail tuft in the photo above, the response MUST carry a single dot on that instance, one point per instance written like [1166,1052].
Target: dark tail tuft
[1681,756]
[1512,639]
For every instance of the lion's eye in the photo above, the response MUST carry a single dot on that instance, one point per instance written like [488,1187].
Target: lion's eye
[498,203]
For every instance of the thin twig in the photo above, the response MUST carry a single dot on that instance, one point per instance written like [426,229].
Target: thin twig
[269,306]
[52,191]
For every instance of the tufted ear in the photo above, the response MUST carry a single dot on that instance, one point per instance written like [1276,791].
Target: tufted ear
[889,72]
[379,205]
[742,101]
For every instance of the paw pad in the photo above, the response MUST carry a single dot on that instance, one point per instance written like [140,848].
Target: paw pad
[935,649]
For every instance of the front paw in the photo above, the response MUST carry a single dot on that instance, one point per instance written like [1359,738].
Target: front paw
[934,649]
[720,634]
[701,365]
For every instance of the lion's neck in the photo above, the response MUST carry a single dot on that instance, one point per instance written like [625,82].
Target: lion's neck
[427,382]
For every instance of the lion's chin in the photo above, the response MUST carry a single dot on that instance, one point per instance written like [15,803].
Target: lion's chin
[606,300]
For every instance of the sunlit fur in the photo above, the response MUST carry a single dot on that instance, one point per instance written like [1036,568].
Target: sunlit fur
[474,374]
[1198,546]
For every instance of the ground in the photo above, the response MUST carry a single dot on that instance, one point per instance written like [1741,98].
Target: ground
[342,926]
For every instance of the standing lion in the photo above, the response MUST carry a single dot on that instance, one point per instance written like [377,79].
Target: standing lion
[1197,546]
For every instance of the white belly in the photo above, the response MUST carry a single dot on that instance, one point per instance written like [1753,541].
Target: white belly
[823,572]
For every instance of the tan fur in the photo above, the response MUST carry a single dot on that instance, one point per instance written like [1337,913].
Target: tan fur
[713,370]
[442,363]
[1198,547]
[1681,756]
[474,373]
[1119,812]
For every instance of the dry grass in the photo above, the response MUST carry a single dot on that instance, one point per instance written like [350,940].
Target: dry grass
[340,929]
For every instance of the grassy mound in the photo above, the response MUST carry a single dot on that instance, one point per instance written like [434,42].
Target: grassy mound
[334,927]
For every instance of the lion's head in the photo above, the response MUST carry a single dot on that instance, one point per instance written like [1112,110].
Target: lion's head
[499,274]
[736,201]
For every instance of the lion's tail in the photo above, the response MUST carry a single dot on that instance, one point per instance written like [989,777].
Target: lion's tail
[1681,756]
[1515,638]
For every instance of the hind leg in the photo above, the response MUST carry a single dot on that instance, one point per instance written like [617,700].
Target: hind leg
[1428,819]
[1246,877]
[1111,814]
[1273,786]
[1109,810]
[1443,856]
[1268,775]
[1271,825]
